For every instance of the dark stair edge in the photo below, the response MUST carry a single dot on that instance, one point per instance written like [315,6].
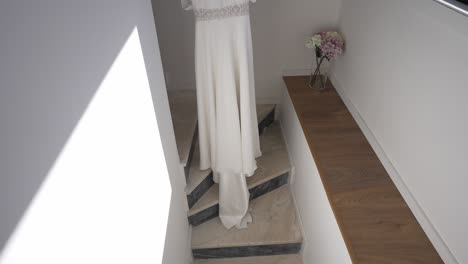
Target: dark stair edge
[192,149]
[200,190]
[247,251]
[257,191]
[269,186]
[267,121]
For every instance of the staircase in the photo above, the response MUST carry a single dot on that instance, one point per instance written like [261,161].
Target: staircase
[274,236]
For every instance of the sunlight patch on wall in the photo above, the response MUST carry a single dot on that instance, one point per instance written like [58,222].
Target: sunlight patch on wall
[107,198]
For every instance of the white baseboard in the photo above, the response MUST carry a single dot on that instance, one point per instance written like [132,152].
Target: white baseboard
[430,230]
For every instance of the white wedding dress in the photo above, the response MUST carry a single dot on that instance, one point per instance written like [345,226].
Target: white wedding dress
[227,119]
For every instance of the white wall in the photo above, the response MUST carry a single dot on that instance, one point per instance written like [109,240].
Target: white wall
[405,73]
[84,120]
[279,30]
[323,242]
[176,32]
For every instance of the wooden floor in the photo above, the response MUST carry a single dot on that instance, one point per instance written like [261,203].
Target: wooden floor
[375,221]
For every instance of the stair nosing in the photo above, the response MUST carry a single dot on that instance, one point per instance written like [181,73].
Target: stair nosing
[216,202]
[281,171]
[190,188]
[269,235]
[295,258]
[275,243]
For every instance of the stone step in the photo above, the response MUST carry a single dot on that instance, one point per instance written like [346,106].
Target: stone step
[199,181]
[280,259]
[272,172]
[275,230]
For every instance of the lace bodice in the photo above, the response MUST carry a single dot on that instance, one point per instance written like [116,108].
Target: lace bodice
[217,9]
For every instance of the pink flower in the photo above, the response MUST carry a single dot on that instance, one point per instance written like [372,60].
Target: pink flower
[331,44]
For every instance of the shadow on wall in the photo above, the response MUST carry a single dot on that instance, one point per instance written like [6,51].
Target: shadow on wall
[78,133]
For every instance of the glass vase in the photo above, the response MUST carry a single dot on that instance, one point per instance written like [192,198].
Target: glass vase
[319,77]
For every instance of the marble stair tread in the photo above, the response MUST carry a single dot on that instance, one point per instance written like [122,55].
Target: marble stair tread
[183,105]
[274,162]
[274,223]
[279,259]
[196,176]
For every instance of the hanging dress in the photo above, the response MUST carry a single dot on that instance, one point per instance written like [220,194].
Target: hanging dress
[227,119]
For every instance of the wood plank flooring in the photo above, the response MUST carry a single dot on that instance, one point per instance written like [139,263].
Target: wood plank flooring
[375,221]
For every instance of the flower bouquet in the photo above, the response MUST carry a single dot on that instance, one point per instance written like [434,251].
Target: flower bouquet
[328,45]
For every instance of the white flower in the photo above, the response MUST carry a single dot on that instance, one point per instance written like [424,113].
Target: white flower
[317,40]
[309,43]
[314,41]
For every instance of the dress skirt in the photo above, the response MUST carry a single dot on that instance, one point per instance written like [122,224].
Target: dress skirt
[228,127]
